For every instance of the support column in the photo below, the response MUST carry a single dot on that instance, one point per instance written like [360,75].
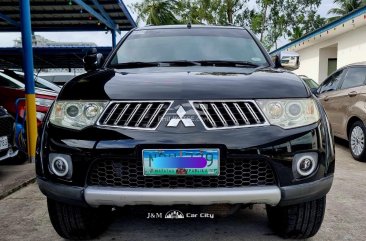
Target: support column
[114,38]
[25,19]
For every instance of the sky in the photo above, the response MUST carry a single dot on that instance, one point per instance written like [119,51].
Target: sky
[102,39]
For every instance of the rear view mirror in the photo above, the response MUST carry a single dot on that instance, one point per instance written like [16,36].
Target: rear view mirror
[287,60]
[93,60]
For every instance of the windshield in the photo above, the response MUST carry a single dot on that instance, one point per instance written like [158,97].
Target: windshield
[196,44]
[39,82]
[311,83]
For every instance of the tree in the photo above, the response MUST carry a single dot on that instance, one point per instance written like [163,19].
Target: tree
[306,24]
[156,12]
[271,20]
[275,19]
[220,12]
[345,7]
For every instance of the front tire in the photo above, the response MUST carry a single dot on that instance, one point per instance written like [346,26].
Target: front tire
[298,221]
[77,223]
[357,142]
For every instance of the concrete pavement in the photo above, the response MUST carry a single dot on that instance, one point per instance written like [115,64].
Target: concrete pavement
[23,216]
[13,177]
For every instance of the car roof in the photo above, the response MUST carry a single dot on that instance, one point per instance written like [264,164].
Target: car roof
[185,26]
[363,64]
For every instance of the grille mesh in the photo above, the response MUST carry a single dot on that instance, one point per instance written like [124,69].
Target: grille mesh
[233,173]
[229,114]
[6,126]
[146,115]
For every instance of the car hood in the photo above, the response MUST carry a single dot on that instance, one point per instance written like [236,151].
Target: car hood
[185,84]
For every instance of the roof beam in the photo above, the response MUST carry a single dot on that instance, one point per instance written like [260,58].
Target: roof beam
[95,14]
[103,12]
[9,20]
[126,13]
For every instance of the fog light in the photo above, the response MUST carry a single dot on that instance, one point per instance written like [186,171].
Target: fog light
[305,164]
[61,165]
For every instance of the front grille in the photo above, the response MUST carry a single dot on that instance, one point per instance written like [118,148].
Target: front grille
[6,126]
[233,173]
[229,114]
[144,115]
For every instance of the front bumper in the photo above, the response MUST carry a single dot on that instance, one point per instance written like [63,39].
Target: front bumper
[109,196]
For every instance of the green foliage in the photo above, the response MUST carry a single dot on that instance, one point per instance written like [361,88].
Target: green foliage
[156,12]
[270,20]
[344,8]
[275,19]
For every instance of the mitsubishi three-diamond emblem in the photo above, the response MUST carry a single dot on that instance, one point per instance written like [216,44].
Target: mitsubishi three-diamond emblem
[181,113]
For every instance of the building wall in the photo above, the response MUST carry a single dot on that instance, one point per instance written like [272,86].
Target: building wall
[349,48]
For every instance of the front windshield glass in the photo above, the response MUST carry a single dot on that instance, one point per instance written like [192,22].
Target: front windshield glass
[311,83]
[183,44]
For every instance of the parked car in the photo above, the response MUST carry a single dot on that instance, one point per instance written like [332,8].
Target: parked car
[310,83]
[12,89]
[194,115]
[7,145]
[58,78]
[39,82]
[343,95]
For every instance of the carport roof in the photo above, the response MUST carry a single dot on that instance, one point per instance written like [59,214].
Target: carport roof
[68,15]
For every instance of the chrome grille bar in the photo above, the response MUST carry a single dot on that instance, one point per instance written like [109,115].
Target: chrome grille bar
[224,114]
[143,115]
[110,114]
[242,114]
[121,114]
[218,113]
[134,114]
[154,115]
[252,112]
[209,117]
[232,116]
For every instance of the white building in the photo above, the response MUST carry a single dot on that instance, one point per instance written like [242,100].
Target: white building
[337,44]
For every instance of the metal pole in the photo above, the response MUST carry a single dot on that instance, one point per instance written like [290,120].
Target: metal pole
[25,19]
[114,38]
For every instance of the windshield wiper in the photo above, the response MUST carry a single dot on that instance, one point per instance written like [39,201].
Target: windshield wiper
[155,64]
[229,63]
[134,65]
[224,63]
[180,63]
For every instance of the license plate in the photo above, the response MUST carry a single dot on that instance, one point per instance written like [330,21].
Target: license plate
[181,162]
[4,143]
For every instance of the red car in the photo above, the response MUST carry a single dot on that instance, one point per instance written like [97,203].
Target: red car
[12,89]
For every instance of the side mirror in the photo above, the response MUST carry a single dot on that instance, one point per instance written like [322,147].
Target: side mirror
[93,60]
[287,60]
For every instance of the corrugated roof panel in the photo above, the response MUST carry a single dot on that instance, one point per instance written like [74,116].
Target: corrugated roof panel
[59,15]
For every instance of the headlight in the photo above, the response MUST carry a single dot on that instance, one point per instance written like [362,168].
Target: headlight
[290,113]
[76,114]
[44,102]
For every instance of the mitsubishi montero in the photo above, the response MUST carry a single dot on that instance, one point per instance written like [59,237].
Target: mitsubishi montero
[192,115]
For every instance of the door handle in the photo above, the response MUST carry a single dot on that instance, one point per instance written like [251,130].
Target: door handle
[326,98]
[352,93]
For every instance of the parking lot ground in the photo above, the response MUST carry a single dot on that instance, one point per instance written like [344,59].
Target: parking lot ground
[13,177]
[23,216]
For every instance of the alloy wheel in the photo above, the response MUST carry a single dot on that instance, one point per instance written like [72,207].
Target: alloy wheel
[357,140]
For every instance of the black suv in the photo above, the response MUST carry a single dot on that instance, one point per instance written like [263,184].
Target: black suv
[196,115]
